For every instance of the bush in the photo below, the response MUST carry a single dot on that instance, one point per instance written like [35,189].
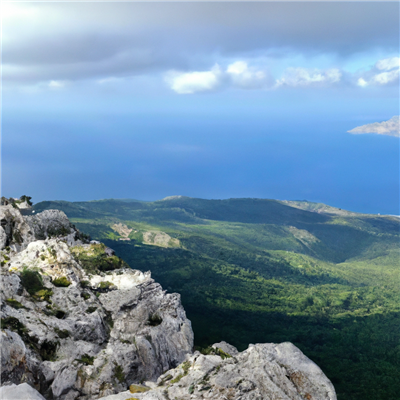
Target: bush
[86,359]
[119,373]
[43,295]
[31,281]
[85,284]
[105,285]
[13,324]
[48,350]
[94,259]
[62,333]
[27,199]
[85,295]
[61,282]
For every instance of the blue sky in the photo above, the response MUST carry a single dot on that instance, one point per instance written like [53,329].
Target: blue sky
[210,100]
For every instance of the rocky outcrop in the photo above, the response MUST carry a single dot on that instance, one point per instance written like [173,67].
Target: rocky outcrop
[263,371]
[78,323]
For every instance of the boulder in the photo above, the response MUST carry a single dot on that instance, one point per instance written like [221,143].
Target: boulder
[263,371]
[20,392]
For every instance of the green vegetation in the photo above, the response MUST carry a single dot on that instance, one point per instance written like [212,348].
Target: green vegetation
[138,389]
[85,295]
[14,303]
[105,285]
[254,271]
[62,333]
[119,373]
[86,359]
[94,259]
[27,199]
[48,350]
[43,295]
[215,351]
[61,282]
[31,281]
[13,324]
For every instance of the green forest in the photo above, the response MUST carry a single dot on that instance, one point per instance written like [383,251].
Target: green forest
[254,271]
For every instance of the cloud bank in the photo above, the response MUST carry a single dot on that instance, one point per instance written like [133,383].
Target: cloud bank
[240,75]
[127,39]
[390,128]
[305,77]
[385,71]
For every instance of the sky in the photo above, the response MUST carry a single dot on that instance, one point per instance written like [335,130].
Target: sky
[277,100]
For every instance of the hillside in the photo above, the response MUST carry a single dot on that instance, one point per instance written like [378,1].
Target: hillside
[78,324]
[252,270]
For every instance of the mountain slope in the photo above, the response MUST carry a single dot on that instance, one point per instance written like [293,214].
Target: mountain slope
[252,270]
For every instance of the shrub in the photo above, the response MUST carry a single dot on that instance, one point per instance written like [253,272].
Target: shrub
[215,351]
[85,295]
[48,350]
[31,281]
[85,284]
[43,294]
[86,359]
[61,282]
[94,259]
[27,199]
[105,286]
[13,324]
[62,333]
[119,373]
[91,309]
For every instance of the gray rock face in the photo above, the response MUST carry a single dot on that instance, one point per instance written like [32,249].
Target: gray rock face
[263,371]
[20,392]
[14,231]
[82,335]
[53,223]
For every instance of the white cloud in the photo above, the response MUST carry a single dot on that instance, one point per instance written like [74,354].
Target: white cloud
[244,76]
[362,82]
[306,77]
[192,82]
[385,77]
[57,84]
[390,127]
[241,74]
[388,63]
[384,72]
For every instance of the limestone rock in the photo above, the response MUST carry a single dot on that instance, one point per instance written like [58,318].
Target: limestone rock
[20,392]
[83,332]
[49,223]
[14,231]
[263,371]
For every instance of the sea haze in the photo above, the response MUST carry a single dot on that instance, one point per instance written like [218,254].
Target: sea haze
[103,156]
